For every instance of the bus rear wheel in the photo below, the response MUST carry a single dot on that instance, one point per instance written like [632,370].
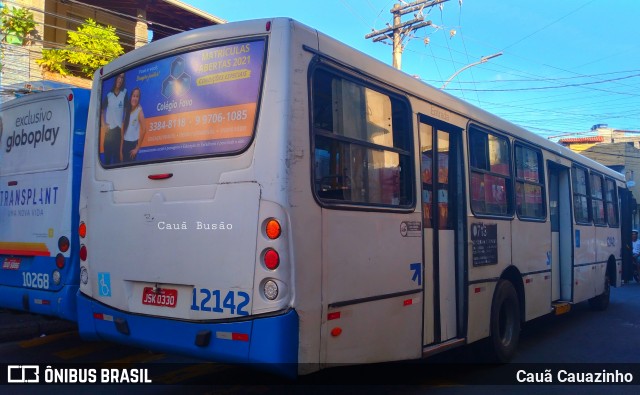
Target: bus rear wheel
[505,322]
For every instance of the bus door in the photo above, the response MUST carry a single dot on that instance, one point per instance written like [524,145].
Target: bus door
[443,211]
[561,230]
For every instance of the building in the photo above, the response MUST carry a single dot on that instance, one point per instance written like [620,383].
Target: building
[136,21]
[579,144]
[601,133]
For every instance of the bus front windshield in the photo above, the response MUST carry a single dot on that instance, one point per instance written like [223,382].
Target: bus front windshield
[198,103]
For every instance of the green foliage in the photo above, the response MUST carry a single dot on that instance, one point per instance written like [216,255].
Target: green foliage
[54,60]
[18,25]
[89,48]
[98,46]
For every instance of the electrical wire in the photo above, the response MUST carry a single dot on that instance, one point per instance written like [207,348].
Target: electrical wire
[546,26]
[558,86]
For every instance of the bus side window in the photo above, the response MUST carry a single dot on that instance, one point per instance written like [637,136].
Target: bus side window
[611,198]
[490,179]
[530,194]
[597,200]
[581,201]
[362,141]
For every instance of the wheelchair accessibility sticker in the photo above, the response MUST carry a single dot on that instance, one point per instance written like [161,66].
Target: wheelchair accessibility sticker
[104,284]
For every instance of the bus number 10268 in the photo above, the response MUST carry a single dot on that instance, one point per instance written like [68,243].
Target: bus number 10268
[35,280]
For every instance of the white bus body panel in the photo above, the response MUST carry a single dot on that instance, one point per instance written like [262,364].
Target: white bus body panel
[584,256]
[532,255]
[161,230]
[373,264]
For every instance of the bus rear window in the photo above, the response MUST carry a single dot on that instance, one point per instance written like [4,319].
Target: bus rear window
[35,136]
[193,104]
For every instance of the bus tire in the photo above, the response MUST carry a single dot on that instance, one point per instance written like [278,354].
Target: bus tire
[601,302]
[505,322]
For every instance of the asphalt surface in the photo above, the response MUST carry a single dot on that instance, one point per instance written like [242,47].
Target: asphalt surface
[15,325]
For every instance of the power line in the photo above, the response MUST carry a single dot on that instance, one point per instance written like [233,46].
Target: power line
[602,92]
[353,11]
[543,79]
[537,76]
[547,25]
[557,86]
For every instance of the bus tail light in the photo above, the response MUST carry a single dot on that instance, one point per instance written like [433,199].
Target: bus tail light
[63,244]
[162,176]
[273,229]
[60,261]
[82,230]
[271,259]
[83,253]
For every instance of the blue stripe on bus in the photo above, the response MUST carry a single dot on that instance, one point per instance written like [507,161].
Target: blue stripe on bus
[61,303]
[272,341]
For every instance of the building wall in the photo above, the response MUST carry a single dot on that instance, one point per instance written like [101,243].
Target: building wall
[53,20]
[19,61]
[61,17]
[576,147]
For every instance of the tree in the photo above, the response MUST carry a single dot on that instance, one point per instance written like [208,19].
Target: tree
[89,48]
[18,26]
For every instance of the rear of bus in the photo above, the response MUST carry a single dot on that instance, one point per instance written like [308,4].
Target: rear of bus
[42,139]
[186,246]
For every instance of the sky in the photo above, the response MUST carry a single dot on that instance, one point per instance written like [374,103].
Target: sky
[565,65]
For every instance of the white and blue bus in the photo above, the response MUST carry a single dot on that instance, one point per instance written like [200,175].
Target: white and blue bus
[286,199]
[42,137]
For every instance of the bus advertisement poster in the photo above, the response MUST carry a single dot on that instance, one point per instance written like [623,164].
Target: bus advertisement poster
[196,103]
[34,165]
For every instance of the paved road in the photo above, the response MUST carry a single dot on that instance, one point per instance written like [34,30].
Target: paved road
[21,326]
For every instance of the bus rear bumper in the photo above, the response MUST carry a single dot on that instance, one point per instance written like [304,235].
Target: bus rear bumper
[270,342]
[60,303]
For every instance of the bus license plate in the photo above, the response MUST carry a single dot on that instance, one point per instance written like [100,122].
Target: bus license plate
[161,297]
[11,263]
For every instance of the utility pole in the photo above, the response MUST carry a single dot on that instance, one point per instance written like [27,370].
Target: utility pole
[399,31]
